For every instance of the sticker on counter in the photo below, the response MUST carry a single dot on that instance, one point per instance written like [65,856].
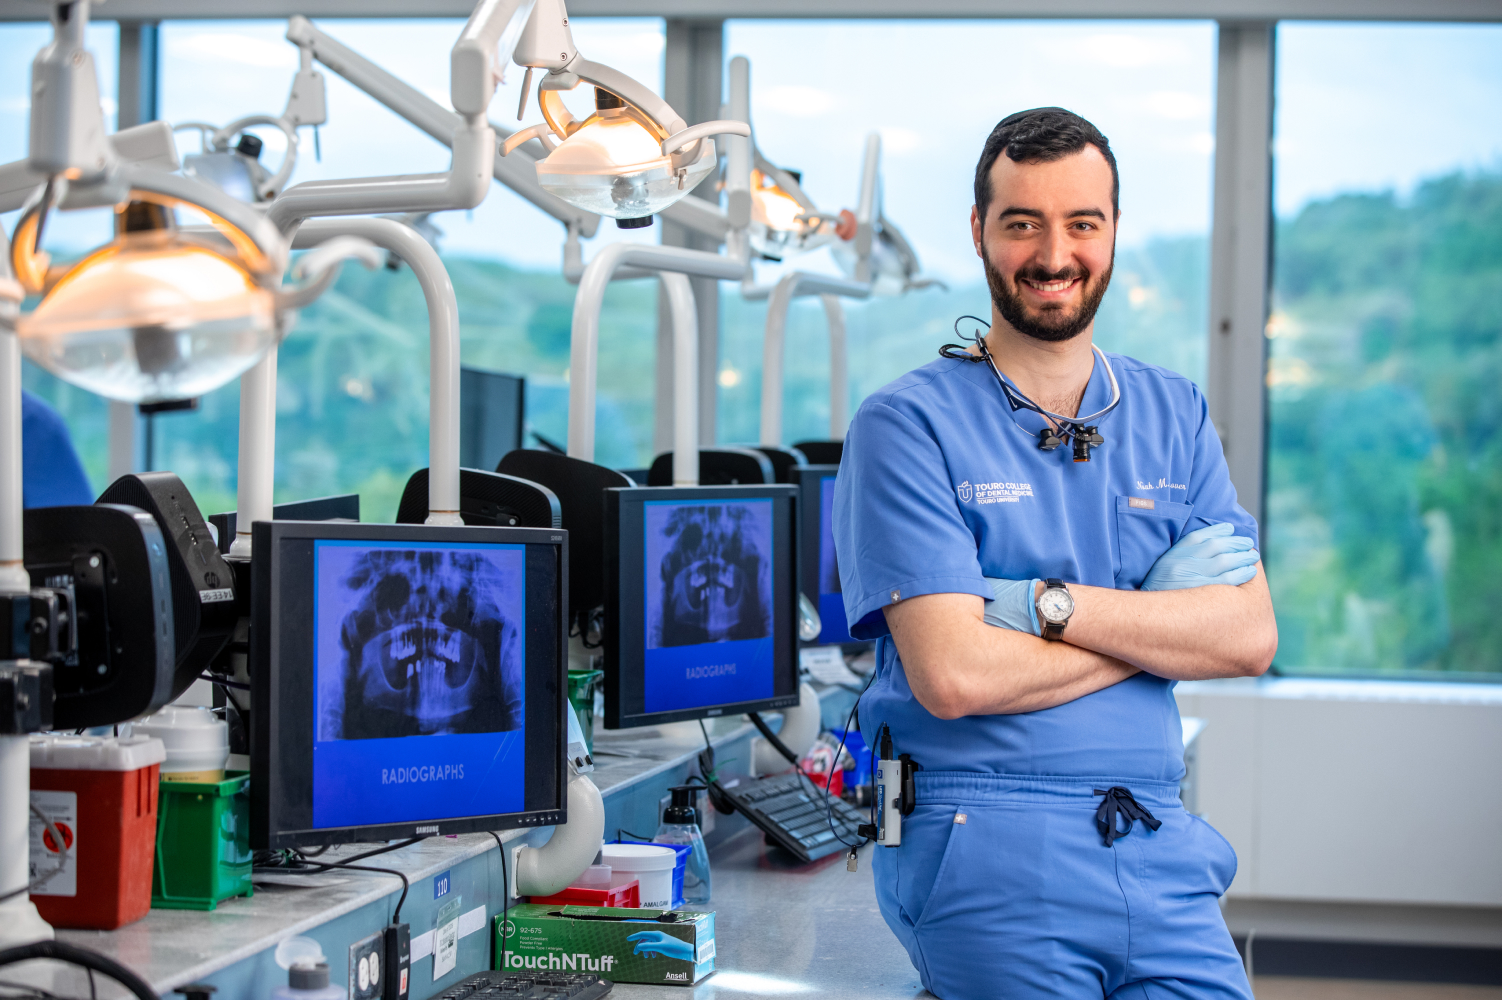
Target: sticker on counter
[446,938]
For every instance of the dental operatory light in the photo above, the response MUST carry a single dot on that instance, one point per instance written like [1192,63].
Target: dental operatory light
[782,226]
[153,315]
[631,158]
[158,313]
[613,164]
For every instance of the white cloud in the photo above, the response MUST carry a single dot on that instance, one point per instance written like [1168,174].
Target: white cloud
[897,140]
[225,47]
[1177,104]
[1131,51]
[797,100]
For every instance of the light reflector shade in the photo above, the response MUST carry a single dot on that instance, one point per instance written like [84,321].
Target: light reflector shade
[151,317]
[615,167]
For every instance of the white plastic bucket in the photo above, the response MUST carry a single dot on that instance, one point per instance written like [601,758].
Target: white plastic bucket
[650,865]
[197,742]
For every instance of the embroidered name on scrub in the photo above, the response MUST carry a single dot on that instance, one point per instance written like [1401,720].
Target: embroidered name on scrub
[993,492]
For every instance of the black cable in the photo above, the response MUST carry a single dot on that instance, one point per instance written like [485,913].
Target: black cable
[828,798]
[93,990]
[505,894]
[317,868]
[63,952]
[383,850]
[772,738]
[717,796]
[212,679]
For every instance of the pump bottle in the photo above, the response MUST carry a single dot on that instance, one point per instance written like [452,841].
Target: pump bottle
[680,826]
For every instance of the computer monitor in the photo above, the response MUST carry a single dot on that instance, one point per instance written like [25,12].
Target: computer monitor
[492,413]
[726,465]
[819,571]
[700,593]
[343,507]
[487,499]
[784,460]
[405,679]
[822,452]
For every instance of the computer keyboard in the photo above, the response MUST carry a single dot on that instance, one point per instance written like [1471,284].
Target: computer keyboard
[793,812]
[532,985]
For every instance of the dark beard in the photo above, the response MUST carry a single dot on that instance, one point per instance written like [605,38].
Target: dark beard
[1052,325]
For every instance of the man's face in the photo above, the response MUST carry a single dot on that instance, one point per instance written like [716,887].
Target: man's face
[1047,242]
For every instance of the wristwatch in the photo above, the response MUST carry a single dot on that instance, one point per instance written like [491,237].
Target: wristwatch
[1055,606]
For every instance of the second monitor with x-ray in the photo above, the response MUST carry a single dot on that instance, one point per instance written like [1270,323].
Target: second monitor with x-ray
[699,603]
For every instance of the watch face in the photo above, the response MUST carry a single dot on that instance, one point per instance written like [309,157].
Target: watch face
[1056,605]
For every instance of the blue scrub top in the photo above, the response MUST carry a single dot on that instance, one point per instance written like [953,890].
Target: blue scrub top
[51,474]
[942,484]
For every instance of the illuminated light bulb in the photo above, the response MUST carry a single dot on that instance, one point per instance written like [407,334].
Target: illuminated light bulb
[613,165]
[151,316]
[780,226]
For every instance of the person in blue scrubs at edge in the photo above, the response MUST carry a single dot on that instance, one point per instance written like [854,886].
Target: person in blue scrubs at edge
[51,474]
[1048,854]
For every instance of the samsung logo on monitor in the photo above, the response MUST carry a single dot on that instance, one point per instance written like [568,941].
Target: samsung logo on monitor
[426,829]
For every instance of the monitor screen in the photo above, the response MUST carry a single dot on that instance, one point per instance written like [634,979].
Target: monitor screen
[409,682]
[492,414]
[699,612]
[820,570]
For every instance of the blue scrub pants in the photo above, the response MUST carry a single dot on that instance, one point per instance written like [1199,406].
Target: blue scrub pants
[1003,888]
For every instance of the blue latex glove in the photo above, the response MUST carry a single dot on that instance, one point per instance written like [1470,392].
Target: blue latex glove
[662,945]
[1204,557]
[1013,606]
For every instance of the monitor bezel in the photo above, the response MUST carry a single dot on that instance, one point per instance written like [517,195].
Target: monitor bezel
[623,598]
[810,480]
[272,755]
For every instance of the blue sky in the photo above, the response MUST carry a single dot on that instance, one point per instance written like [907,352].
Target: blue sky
[1360,107]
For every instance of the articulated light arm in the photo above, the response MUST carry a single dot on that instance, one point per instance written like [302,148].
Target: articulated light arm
[485,44]
[584,344]
[517,173]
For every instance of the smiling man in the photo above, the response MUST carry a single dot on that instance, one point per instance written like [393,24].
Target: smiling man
[1045,538]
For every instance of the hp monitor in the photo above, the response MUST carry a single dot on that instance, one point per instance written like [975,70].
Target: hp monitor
[405,679]
[700,594]
[819,571]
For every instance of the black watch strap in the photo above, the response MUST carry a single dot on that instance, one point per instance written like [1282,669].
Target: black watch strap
[1053,631]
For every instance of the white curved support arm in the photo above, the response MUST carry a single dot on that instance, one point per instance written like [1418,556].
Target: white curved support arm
[542,132]
[801,725]
[273,184]
[519,173]
[585,343]
[319,268]
[480,55]
[773,346]
[866,209]
[257,460]
[464,186]
[738,149]
[680,296]
[545,870]
[13,576]
[839,371]
[148,145]
[443,338]
[692,134]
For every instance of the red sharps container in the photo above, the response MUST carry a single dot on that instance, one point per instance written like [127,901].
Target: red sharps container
[100,794]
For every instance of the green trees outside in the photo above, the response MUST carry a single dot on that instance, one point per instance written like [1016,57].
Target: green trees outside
[1384,508]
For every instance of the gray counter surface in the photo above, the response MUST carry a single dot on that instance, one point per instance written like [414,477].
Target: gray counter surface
[783,930]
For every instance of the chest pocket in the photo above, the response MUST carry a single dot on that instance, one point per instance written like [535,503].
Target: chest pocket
[1145,529]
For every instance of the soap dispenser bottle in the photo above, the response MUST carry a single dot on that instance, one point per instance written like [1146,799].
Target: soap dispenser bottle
[680,826]
[308,979]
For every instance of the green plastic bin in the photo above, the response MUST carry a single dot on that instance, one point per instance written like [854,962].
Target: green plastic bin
[202,843]
[581,695]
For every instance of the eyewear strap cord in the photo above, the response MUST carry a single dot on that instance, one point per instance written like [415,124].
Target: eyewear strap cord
[1082,429]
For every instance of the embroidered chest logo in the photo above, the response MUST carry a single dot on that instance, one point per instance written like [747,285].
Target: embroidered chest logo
[1161,484]
[997,492]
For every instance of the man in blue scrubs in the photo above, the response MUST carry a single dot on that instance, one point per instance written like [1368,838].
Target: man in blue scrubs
[1047,854]
[51,474]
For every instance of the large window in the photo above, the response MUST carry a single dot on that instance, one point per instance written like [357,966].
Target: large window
[819,87]
[1384,503]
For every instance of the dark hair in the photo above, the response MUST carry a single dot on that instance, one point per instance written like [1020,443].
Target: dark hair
[1040,135]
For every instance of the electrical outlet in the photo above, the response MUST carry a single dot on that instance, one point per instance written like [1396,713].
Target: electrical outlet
[366,967]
